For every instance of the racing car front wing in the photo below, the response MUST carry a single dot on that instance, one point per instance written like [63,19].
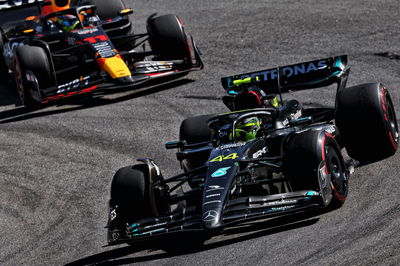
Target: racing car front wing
[236,211]
[102,83]
[143,72]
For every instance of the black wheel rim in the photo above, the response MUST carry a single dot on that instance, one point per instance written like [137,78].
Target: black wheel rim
[19,80]
[337,171]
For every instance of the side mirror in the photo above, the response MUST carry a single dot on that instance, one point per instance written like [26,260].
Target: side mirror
[126,12]
[175,144]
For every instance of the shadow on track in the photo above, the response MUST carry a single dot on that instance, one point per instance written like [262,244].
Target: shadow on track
[8,93]
[89,101]
[175,246]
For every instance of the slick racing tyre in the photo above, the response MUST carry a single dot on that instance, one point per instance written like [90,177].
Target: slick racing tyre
[31,60]
[367,122]
[133,197]
[130,194]
[312,161]
[195,130]
[106,9]
[168,38]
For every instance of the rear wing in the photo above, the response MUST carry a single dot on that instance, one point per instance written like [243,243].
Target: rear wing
[307,75]
[6,5]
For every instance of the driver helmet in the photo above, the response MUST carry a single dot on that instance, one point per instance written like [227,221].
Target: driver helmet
[68,22]
[247,129]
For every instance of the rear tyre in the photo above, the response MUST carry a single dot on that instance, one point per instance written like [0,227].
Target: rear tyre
[195,130]
[106,9]
[33,60]
[367,122]
[313,161]
[168,38]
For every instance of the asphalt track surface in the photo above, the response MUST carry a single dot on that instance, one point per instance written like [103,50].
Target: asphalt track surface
[56,164]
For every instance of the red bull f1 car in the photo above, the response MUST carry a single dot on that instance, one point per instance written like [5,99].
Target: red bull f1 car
[73,48]
[265,158]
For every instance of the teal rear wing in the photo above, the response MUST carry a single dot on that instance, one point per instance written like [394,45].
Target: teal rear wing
[307,75]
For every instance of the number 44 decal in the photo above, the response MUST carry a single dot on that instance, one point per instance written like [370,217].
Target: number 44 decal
[220,158]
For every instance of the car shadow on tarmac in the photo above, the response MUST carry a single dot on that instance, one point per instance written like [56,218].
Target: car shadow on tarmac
[181,245]
[85,101]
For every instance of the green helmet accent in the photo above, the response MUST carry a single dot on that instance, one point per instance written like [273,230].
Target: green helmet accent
[68,22]
[274,102]
[247,129]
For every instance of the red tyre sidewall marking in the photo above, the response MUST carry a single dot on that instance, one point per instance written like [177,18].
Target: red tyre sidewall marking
[257,97]
[190,54]
[18,79]
[326,134]
[337,195]
[323,154]
[383,104]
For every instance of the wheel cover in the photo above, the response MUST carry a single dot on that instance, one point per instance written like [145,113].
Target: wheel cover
[339,182]
[19,80]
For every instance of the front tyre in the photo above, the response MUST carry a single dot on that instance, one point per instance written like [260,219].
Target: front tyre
[313,161]
[367,122]
[31,60]
[130,193]
[168,38]
[130,199]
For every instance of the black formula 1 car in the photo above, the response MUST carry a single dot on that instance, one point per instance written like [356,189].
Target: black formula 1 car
[257,163]
[52,57]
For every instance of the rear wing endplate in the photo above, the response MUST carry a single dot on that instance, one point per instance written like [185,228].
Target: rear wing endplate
[17,4]
[307,75]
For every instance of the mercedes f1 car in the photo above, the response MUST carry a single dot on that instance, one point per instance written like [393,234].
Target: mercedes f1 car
[276,158]
[83,47]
